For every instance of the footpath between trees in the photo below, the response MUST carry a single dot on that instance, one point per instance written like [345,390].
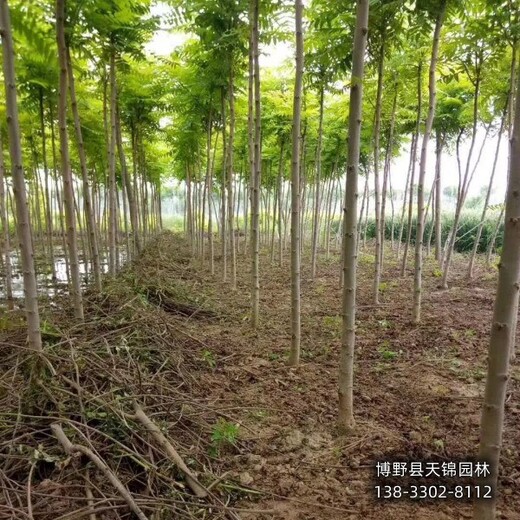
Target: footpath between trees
[165,404]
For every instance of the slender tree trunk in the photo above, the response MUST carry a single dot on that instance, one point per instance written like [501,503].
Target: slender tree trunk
[132,205]
[22,208]
[413,164]
[47,189]
[254,99]
[210,210]
[417,295]
[112,187]
[230,176]
[348,306]
[317,191]
[438,198]
[68,190]
[87,200]
[278,202]
[6,235]
[361,211]
[386,175]
[223,188]
[377,195]
[294,357]
[405,198]
[59,197]
[207,187]
[430,203]
[280,210]
[502,332]
[189,209]
[493,240]
[327,209]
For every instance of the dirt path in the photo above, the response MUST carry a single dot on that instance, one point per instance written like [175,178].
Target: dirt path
[417,391]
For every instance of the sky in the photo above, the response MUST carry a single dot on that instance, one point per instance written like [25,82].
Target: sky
[166,40]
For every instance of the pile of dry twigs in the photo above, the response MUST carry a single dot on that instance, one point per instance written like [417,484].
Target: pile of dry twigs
[105,424]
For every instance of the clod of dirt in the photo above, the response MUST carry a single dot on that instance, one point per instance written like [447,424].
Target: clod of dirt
[317,440]
[415,436]
[293,440]
[245,478]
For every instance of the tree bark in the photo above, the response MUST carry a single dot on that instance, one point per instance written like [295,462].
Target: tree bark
[438,198]
[348,306]
[502,334]
[132,206]
[230,177]
[22,208]
[6,235]
[316,218]
[68,188]
[87,199]
[112,187]
[377,194]
[294,356]
[48,206]
[413,160]
[256,163]
[417,294]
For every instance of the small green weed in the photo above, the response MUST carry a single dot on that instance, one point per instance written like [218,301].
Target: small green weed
[224,435]
[386,353]
[209,358]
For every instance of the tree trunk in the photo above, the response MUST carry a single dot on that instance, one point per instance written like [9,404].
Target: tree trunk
[48,206]
[256,163]
[386,176]
[68,190]
[438,198]
[502,334]
[413,160]
[58,196]
[493,240]
[132,206]
[278,203]
[417,294]
[294,357]
[405,198]
[112,187]
[87,200]
[4,219]
[223,188]
[362,210]
[22,208]
[230,176]
[348,306]
[377,195]
[316,218]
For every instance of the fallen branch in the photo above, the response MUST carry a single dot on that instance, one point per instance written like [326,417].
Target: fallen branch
[100,464]
[197,488]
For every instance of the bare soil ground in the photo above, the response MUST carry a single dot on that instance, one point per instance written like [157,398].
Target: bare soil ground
[177,339]
[418,389]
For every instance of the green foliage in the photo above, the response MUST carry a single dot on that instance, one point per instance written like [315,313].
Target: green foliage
[224,435]
[466,233]
[208,357]
[386,353]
